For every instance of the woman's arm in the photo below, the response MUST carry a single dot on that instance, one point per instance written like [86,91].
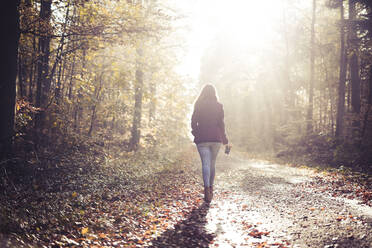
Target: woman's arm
[221,124]
[194,123]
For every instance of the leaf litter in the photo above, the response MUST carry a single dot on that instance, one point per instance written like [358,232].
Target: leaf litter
[126,203]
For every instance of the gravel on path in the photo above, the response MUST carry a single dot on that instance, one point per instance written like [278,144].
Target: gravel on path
[260,204]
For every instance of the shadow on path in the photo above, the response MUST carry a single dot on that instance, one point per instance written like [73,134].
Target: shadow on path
[189,233]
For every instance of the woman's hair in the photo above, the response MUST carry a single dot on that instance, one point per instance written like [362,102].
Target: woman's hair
[207,94]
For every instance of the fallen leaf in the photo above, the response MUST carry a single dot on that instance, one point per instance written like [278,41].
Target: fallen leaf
[84,230]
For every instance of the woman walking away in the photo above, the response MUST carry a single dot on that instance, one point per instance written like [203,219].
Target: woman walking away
[208,129]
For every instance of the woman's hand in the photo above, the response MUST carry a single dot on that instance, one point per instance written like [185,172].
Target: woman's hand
[227,148]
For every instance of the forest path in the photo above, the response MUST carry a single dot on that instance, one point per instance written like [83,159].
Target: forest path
[259,204]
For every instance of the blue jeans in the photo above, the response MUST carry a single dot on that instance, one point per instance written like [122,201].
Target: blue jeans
[208,153]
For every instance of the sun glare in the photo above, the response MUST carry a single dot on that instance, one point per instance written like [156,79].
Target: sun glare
[248,23]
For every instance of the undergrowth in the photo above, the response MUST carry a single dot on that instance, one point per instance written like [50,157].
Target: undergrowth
[91,190]
[328,152]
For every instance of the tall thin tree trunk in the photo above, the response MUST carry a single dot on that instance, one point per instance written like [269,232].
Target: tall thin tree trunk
[354,66]
[329,101]
[57,90]
[152,110]
[72,71]
[370,87]
[63,75]
[43,82]
[342,79]
[71,78]
[369,106]
[94,108]
[9,25]
[325,110]
[78,116]
[289,96]
[139,88]
[137,113]
[320,109]
[355,84]
[32,76]
[289,91]
[332,119]
[348,94]
[20,77]
[310,109]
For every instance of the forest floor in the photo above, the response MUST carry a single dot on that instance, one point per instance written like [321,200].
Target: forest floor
[148,202]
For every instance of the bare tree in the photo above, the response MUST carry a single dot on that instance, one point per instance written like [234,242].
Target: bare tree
[354,67]
[310,109]
[342,79]
[43,84]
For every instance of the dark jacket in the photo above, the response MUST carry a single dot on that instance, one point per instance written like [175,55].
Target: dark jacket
[207,123]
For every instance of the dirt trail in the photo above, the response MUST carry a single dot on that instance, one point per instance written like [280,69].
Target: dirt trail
[258,204]
[256,195]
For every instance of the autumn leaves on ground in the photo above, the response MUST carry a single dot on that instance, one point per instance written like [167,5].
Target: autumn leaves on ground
[142,200]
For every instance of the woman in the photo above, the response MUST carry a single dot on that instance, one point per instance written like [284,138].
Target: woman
[208,129]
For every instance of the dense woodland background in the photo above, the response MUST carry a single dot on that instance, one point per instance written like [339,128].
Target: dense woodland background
[95,113]
[103,73]
[96,71]
[308,95]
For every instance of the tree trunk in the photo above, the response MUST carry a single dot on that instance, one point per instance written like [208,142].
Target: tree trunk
[355,84]
[78,116]
[32,76]
[57,90]
[341,87]
[332,103]
[62,78]
[71,78]
[94,108]
[310,109]
[347,95]
[152,110]
[20,77]
[370,87]
[369,106]
[289,95]
[354,66]
[43,83]
[9,25]
[137,113]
